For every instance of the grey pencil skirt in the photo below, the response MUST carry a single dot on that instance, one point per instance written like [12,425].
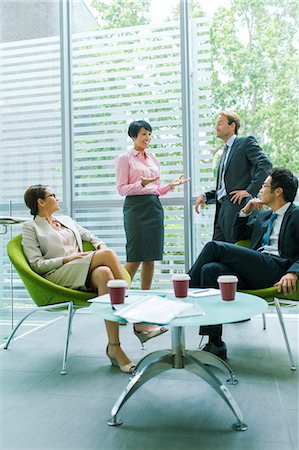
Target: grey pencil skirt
[144,226]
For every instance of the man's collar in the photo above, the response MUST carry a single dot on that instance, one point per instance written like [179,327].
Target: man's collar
[231,140]
[282,210]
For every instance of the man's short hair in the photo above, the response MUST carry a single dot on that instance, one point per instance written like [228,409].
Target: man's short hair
[232,117]
[284,178]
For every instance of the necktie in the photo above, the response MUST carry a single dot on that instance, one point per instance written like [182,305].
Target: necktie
[266,238]
[221,167]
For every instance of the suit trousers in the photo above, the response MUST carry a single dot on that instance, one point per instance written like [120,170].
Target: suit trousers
[224,218]
[254,270]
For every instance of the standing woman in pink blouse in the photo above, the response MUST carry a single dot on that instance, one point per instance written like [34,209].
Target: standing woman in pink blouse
[138,179]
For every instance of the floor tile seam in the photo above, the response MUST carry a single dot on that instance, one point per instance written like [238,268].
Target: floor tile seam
[24,371]
[91,396]
[84,395]
[286,422]
[194,433]
[71,395]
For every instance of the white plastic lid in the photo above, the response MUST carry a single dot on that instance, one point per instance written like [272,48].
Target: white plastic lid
[227,279]
[180,277]
[117,283]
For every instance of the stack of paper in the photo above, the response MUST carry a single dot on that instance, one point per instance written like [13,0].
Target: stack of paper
[203,292]
[106,299]
[155,309]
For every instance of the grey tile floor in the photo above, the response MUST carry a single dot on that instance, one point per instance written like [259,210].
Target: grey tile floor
[40,409]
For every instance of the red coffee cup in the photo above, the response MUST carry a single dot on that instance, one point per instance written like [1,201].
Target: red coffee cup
[181,284]
[117,291]
[228,286]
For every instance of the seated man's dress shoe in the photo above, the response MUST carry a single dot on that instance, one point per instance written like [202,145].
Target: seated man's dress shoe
[218,350]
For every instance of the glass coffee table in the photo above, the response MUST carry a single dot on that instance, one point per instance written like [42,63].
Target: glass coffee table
[216,311]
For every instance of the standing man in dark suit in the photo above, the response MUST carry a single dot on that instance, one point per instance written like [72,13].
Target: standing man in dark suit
[273,257]
[242,168]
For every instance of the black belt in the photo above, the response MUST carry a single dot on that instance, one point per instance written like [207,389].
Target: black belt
[224,198]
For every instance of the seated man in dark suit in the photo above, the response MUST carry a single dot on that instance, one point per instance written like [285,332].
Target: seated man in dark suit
[273,257]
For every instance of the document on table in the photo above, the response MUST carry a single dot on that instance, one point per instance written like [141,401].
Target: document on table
[198,293]
[129,299]
[157,310]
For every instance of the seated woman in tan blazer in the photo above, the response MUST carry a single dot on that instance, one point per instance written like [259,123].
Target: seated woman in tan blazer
[53,248]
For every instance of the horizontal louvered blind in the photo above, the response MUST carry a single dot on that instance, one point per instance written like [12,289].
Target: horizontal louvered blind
[119,75]
[107,223]
[135,76]
[30,116]
[134,73]
[31,151]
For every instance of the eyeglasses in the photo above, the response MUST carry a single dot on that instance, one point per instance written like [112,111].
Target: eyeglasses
[50,195]
[266,185]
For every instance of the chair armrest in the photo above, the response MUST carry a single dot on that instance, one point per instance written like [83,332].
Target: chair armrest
[243,243]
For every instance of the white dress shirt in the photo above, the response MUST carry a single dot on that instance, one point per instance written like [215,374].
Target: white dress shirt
[222,191]
[272,248]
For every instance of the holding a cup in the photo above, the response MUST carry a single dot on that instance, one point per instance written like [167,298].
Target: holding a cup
[180,284]
[117,291]
[228,286]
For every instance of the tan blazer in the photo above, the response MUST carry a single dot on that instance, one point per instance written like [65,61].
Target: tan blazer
[43,247]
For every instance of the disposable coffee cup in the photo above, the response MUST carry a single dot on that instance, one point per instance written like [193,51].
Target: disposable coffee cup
[228,286]
[180,284]
[117,291]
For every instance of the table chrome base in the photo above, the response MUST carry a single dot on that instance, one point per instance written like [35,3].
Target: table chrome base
[178,358]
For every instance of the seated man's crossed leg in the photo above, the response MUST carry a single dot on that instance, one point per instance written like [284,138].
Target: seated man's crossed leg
[254,270]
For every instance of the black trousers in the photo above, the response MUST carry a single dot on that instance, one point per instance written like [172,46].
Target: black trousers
[224,218]
[254,270]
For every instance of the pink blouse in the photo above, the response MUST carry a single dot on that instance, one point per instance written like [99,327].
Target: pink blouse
[131,166]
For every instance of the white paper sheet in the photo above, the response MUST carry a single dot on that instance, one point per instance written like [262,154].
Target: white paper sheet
[129,299]
[203,292]
[196,310]
[154,309]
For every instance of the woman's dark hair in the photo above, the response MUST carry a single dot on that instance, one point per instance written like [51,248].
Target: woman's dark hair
[284,178]
[32,194]
[136,126]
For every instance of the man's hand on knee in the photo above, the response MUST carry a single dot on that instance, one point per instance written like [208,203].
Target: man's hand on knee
[287,283]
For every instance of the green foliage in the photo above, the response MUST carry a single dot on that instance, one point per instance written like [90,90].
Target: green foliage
[255,65]
[194,10]
[255,72]
[122,13]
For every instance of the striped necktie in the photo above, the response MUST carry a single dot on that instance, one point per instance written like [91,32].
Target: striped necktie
[221,167]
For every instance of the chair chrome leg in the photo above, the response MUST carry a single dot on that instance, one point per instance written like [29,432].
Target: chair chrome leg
[68,331]
[200,342]
[40,308]
[17,327]
[264,321]
[72,318]
[281,321]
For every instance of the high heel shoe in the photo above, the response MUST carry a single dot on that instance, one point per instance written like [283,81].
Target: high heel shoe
[127,368]
[144,336]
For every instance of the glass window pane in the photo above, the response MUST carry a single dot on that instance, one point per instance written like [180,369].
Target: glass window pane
[30,117]
[129,68]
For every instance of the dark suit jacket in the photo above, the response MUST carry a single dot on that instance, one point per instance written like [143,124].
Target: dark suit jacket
[246,168]
[288,241]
